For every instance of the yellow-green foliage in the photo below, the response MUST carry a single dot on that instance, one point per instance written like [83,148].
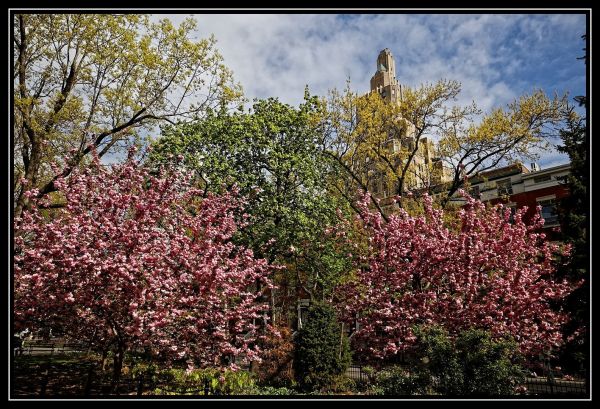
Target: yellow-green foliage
[375,141]
[99,78]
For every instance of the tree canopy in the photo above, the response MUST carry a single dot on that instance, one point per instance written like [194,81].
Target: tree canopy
[274,157]
[98,81]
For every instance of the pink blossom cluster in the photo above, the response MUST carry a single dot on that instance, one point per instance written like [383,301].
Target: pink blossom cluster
[141,260]
[487,272]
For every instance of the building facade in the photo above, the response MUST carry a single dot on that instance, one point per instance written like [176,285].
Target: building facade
[384,80]
[517,186]
[426,168]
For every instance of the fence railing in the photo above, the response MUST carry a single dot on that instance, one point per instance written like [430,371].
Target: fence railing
[92,382]
[357,373]
[552,386]
[41,347]
[534,386]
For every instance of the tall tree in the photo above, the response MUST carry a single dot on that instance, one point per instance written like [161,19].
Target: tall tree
[273,156]
[504,135]
[573,212]
[140,261]
[373,140]
[94,81]
[582,99]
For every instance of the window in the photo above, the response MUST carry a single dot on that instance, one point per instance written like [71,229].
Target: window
[543,178]
[504,187]
[549,212]
[474,192]
[513,210]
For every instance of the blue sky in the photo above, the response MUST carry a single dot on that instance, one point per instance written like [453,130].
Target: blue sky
[496,57]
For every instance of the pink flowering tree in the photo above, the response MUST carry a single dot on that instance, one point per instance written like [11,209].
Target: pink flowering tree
[487,272]
[135,260]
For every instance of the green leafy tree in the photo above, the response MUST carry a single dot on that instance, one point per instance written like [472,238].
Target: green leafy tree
[322,350]
[272,154]
[504,135]
[375,141]
[582,99]
[573,214]
[372,139]
[86,82]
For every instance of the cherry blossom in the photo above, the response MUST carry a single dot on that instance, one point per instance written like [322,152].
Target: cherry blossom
[141,260]
[487,272]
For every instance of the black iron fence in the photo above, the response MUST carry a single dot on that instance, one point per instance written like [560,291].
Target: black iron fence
[357,373]
[547,386]
[87,379]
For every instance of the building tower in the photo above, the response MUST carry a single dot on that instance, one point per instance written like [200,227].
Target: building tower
[384,81]
[426,167]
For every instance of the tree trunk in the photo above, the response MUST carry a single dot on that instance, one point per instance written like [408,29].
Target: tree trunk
[341,340]
[31,174]
[104,359]
[117,366]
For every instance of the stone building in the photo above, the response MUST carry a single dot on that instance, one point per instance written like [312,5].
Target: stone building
[514,185]
[384,81]
[427,167]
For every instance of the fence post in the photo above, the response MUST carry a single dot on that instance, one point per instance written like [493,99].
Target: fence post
[551,382]
[88,383]
[44,384]
[140,386]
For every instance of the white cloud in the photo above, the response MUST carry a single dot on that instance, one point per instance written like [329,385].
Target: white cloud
[495,57]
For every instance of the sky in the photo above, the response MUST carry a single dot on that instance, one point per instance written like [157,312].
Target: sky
[496,57]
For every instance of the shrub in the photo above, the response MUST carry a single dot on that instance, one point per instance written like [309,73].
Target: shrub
[208,381]
[490,366]
[276,366]
[270,390]
[397,381]
[321,349]
[342,384]
[473,364]
[439,361]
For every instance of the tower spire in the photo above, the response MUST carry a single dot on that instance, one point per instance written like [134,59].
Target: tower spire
[384,81]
